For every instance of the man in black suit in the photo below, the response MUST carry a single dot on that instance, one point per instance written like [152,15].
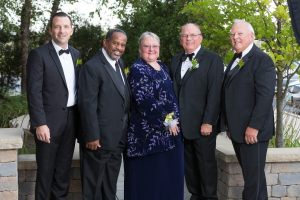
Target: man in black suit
[197,74]
[247,95]
[104,106]
[51,92]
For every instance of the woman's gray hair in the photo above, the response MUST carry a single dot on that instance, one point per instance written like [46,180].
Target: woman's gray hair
[148,34]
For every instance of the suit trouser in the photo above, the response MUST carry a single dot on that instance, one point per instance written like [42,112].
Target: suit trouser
[54,162]
[201,167]
[99,172]
[252,158]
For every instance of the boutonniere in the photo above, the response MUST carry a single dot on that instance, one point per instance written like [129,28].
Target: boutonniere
[126,70]
[78,62]
[169,118]
[241,63]
[195,64]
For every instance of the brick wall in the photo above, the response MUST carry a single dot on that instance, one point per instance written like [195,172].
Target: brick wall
[282,173]
[10,142]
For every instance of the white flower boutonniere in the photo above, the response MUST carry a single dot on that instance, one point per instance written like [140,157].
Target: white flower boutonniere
[241,63]
[195,64]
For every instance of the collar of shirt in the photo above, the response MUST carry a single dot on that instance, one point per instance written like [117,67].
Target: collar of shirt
[247,50]
[111,61]
[236,61]
[57,47]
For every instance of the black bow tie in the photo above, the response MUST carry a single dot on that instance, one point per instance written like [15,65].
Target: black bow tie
[237,55]
[185,56]
[67,51]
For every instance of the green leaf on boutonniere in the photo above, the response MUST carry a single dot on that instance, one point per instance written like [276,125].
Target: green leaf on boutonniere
[241,63]
[195,64]
[126,70]
[78,62]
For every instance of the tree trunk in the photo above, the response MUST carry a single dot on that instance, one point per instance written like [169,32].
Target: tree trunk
[25,24]
[279,111]
[54,9]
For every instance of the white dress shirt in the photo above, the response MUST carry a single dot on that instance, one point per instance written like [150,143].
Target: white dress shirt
[187,64]
[69,72]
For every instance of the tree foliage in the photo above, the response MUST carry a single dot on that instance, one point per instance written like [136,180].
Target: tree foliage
[87,47]
[161,17]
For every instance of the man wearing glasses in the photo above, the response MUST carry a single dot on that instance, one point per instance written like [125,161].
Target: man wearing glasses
[197,75]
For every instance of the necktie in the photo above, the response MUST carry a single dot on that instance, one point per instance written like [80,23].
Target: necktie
[185,56]
[118,71]
[67,51]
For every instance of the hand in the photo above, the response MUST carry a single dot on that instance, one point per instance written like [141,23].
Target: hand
[173,129]
[93,145]
[43,133]
[206,129]
[251,135]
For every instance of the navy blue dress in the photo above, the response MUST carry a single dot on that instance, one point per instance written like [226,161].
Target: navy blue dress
[153,162]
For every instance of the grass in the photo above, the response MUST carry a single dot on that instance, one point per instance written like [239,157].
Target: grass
[291,129]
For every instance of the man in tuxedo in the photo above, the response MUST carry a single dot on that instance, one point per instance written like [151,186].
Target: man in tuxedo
[197,75]
[247,96]
[51,92]
[104,107]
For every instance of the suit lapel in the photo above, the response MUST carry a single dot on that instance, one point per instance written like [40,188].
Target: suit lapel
[189,72]
[111,72]
[177,74]
[246,59]
[127,91]
[56,60]
[74,56]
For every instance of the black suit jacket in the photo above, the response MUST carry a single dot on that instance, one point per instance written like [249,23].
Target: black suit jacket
[103,104]
[294,7]
[199,92]
[47,91]
[247,97]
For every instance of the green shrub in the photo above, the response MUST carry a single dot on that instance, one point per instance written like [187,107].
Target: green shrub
[10,108]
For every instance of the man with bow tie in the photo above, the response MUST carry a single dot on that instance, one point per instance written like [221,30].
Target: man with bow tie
[197,75]
[247,112]
[51,92]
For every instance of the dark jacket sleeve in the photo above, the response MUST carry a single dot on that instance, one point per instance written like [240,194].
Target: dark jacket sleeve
[88,91]
[34,89]
[213,100]
[265,80]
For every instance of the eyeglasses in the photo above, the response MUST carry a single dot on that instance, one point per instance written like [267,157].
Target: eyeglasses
[190,35]
[239,34]
[150,46]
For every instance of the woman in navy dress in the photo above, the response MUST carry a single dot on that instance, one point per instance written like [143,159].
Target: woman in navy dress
[154,158]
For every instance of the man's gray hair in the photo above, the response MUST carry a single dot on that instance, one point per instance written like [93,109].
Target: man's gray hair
[242,21]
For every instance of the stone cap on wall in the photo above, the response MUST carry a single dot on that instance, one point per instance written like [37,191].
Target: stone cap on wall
[226,153]
[11,138]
